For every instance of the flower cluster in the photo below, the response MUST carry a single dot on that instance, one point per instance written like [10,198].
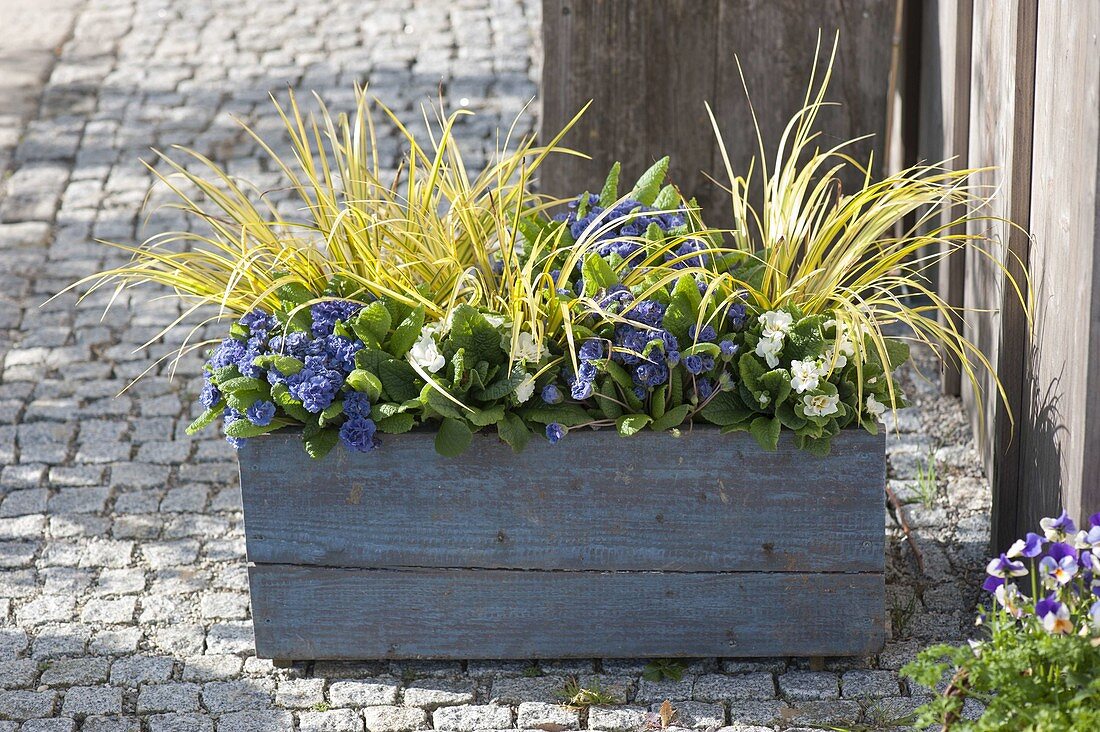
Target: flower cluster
[661,331]
[1063,565]
[264,377]
[1037,665]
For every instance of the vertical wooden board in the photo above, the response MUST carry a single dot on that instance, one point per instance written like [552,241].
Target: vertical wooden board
[1061,442]
[775,42]
[326,613]
[701,502]
[1002,95]
[648,67]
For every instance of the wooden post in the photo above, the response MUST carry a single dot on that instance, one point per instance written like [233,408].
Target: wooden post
[649,65]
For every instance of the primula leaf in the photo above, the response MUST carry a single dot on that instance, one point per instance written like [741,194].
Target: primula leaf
[657,403]
[766,431]
[242,400]
[706,349]
[291,406]
[804,341]
[453,438]
[500,388]
[630,424]
[399,380]
[672,418]
[649,185]
[487,416]
[667,199]
[405,335]
[777,382]
[242,383]
[371,359]
[607,399]
[725,409]
[294,293]
[750,370]
[441,404]
[366,382]
[597,274]
[244,428]
[787,416]
[287,365]
[343,286]
[514,431]
[372,324]
[386,409]
[396,424]
[618,373]
[566,414]
[471,331]
[331,413]
[238,331]
[206,418]
[319,442]
[610,192]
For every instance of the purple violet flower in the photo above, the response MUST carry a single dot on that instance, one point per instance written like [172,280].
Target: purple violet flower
[1030,547]
[1058,529]
[1005,567]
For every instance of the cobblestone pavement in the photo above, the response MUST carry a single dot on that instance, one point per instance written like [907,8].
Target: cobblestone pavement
[123,597]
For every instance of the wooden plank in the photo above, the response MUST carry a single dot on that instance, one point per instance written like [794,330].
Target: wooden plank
[704,502]
[648,66]
[775,43]
[647,86]
[324,613]
[1001,119]
[1061,441]
[944,130]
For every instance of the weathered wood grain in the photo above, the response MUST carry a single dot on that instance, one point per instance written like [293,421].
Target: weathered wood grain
[1060,442]
[649,65]
[314,613]
[1001,122]
[595,501]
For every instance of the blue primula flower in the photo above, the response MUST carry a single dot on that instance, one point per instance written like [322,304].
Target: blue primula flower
[551,394]
[356,404]
[554,432]
[261,413]
[326,314]
[358,434]
[209,396]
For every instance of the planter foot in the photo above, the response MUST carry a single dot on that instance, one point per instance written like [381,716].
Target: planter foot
[817,663]
[282,662]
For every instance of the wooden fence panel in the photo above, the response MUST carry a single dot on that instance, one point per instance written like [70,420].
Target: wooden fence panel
[1001,103]
[1060,442]
[649,65]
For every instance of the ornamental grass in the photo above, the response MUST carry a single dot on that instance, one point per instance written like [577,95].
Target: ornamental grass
[457,302]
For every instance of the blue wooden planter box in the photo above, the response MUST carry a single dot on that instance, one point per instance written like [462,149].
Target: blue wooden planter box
[597,547]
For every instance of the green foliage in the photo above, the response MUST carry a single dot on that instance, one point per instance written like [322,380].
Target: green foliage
[577,696]
[663,669]
[1029,681]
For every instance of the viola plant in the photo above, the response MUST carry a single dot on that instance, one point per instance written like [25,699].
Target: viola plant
[1038,665]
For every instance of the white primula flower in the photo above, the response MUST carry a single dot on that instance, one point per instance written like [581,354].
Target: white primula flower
[834,360]
[494,320]
[525,389]
[425,353]
[805,375]
[875,408]
[776,322]
[527,348]
[820,405]
[769,348]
